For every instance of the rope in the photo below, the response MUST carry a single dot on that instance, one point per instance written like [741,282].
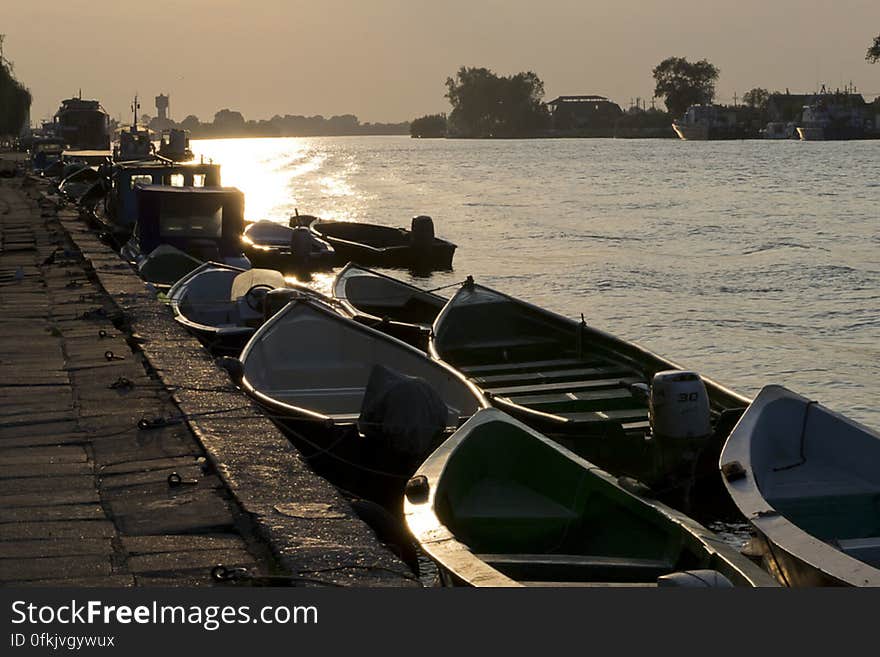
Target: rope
[803,456]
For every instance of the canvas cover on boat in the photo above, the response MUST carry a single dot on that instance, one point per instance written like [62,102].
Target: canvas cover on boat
[166,265]
[248,279]
[402,413]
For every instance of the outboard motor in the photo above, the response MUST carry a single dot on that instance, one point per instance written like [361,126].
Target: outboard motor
[301,246]
[679,406]
[681,427]
[422,228]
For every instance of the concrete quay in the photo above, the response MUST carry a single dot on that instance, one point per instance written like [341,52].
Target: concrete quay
[89,498]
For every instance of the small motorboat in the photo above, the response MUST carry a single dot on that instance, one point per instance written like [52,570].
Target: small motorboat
[808,481]
[202,223]
[286,248]
[363,290]
[610,401]
[363,407]
[223,305]
[498,504]
[383,246]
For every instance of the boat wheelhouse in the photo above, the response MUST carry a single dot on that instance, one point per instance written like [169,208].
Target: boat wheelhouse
[121,210]
[202,223]
[83,124]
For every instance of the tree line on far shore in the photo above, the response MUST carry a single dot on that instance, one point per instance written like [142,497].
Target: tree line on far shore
[486,105]
[230,123]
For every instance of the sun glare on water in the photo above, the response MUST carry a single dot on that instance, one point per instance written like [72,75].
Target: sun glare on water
[280,177]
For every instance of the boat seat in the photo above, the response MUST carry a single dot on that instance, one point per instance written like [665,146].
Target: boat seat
[546,375]
[574,567]
[602,398]
[476,370]
[620,417]
[613,377]
[863,549]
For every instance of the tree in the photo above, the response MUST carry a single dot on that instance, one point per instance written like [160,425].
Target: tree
[229,120]
[431,125]
[15,102]
[682,83]
[191,123]
[873,54]
[487,105]
[756,98]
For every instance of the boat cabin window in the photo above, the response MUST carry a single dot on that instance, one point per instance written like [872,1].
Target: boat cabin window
[199,180]
[176,180]
[145,179]
[188,217]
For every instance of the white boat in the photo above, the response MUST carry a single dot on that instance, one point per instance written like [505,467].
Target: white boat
[808,481]
[223,305]
[366,406]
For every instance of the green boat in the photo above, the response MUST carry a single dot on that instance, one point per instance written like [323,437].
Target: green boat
[498,504]
[610,401]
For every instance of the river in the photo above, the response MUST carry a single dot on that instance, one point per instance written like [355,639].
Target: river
[752,262]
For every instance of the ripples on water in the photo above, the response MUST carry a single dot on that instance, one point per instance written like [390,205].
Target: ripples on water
[751,262]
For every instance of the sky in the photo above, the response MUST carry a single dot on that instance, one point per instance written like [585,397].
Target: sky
[387,60]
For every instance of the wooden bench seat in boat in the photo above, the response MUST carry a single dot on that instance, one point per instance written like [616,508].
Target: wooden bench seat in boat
[864,549]
[600,417]
[620,375]
[547,375]
[478,370]
[574,567]
[585,400]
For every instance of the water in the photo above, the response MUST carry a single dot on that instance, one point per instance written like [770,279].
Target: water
[751,262]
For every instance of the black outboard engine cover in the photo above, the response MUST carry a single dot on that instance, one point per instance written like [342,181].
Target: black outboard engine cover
[402,414]
[422,231]
[301,245]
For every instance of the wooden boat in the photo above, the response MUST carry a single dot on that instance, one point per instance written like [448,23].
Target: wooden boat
[590,391]
[203,223]
[383,246]
[223,305]
[808,481]
[498,504]
[363,290]
[286,248]
[326,377]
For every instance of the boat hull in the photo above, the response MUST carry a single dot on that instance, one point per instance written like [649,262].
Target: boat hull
[382,246]
[575,384]
[498,504]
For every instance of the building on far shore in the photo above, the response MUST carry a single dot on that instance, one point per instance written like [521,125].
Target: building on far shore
[584,115]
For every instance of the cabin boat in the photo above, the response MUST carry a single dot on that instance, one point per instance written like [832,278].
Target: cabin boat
[383,246]
[119,211]
[135,144]
[705,122]
[83,124]
[223,305]
[174,145]
[808,481]
[362,406]
[610,401]
[203,223]
[44,151]
[500,505]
